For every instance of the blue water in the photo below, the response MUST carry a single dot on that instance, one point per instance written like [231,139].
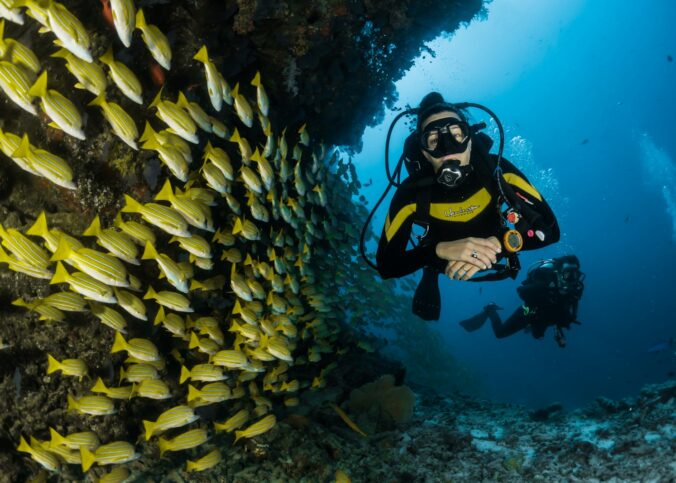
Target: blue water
[586,94]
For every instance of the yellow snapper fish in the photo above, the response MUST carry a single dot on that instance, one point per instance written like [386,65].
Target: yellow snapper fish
[171,270]
[124,19]
[168,154]
[206,462]
[43,457]
[46,312]
[68,367]
[116,242]
[195,245]
[9,9]
[122,123]
[68,29]
[171,300]
[264,168]
[9,143]
[261,96]
[16,84]
[89,75]
[187,440]
[234,422]
[139,232]
[155,40]
[175,417]
[201,118]
[123,392]
[46,164]
[114,453]
[257,428]
[214,392]
[163,217]
[269,149]
[88,439]
[202,372]
[16,52]
[213,80]
[214,283]
[84,285]
[23,248]
[239,286]
[247,229]
[226,92]
[109,317]
[142,349]
[220,159]
[60,109]
[194,213]
[174,323]
[205,345]
[243,144]
[215,178]
[101,266]
[139,372]
[123,77]
[232,359]
[176,118]
[151,389]
[242,107]
[119,474]
[131,303]
[304,135]
[94,405]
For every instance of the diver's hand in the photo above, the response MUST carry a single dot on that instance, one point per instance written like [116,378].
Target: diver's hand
[459,253]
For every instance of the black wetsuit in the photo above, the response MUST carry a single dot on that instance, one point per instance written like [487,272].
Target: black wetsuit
[467,211]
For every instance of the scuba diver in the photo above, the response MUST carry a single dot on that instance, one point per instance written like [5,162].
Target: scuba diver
[475,207]
[550,294]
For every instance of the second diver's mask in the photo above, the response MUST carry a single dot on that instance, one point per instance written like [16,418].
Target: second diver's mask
[442,137]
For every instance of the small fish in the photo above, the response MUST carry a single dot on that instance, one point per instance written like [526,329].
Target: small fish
[124,19]
[16,52]
[23,248]
[195,245]
[261,96]
[60,109]
[220,159]
[46,164]
[68,367]
[121,122]
[206,462]
[88,439]
[219,128]
[202,372]
[138,231]
[155,40]
[168,154]
[347,420]
[152,389]
[139,372]
[69,30]
[213,80]
[114,453]
[131,303]
[123,392]
[198,115]
[247,229]
[142,349]
[214,283]
[194,213]
[243,144]
[258,428]
[174,323]
[163,217]
[123,77]
[213,393]
[84,285]
[242,107]
[234,422]
[175,417]
[304,136]
[264,168]
[171,270]
[94,405]
[215,178]
[89,75]
[43,457]
[204,345]
[100,266]
[187,440]
[176,118]
[117,243]
[171,300]
[119,474]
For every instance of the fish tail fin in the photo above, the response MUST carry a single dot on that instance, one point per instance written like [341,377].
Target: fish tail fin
[61,54]
[185,374]
[193,393]
[63,251]
[202,55]
[72,403]
[99,386]
[149,426]
[39,88]
[60,274]
[149,252]
[159,318]
[235,138]
[238,226]
[87,457]
[150,294]
[158,97]
[166,193]
[55,438]
[190,466]
[24,148]
[123,374]
[196,285]
[99,100]
[140,19]
[107,58]
[52,364]
[164,446]
[194,341]
[131,205]
[119,344]
[24,446]
[39,228]
[94,229]
[235,90]
[149,137]
[257,79]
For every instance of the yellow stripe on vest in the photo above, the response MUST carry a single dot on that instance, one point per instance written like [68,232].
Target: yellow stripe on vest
[463,211]
[403,214]
[522,184]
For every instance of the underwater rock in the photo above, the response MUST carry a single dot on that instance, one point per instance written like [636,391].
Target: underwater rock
[383,402]
[546,413]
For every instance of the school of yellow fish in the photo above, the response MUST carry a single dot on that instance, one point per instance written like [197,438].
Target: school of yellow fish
[252,222]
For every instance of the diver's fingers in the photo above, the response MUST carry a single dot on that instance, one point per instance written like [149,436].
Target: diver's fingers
[491,242]
[457,270]
[478,255]
[470,273]
[452,268]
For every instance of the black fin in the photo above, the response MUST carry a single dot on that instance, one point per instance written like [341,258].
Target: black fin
[476,322]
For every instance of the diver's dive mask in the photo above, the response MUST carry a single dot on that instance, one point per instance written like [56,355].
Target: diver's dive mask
[442,137]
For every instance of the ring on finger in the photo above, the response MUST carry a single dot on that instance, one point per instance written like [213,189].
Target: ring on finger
[475,254]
